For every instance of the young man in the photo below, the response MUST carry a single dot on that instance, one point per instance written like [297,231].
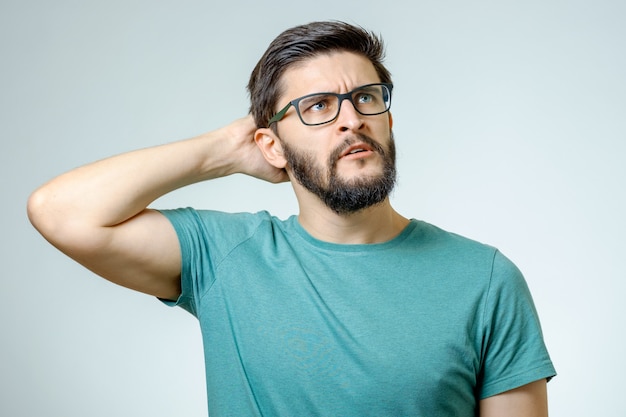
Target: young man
[348,308]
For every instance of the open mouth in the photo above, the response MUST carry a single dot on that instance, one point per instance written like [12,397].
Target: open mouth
[356,149]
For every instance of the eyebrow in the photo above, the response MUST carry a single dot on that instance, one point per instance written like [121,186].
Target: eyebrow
[334,92]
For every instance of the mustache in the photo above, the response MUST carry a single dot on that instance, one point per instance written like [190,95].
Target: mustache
[358,137]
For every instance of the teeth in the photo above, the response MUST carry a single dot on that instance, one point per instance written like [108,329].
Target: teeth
[356,150]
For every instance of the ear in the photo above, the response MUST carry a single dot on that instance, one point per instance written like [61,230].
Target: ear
[390,121]
[269,144]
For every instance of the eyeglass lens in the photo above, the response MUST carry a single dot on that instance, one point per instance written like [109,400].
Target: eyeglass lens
[324,107]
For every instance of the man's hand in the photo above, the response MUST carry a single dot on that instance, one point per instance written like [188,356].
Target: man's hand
[249,159]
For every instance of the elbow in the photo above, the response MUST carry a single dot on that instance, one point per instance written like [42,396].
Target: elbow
[36,208]
[64,225]
[51,219]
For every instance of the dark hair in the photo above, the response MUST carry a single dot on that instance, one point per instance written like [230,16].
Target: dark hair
[304,42]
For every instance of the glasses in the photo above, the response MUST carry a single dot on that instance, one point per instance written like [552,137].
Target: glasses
[320,108]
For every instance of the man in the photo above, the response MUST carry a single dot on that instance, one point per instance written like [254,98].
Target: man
[348,308]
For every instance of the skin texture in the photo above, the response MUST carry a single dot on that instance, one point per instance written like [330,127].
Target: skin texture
[97,214]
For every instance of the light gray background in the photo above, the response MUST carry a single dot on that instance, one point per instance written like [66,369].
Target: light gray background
[510,122]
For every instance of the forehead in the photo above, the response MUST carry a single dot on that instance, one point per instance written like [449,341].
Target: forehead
[333,72]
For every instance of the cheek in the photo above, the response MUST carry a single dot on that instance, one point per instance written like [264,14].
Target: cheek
[316,147]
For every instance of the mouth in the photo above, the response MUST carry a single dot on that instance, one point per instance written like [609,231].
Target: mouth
[357,150]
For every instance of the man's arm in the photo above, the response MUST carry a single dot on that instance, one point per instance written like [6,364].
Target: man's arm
[530,400]
[97,214]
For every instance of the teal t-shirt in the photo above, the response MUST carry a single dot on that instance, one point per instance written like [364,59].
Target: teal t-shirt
[426,324]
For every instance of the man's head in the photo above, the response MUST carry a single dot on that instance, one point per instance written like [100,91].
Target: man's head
[301,43]
[326,86]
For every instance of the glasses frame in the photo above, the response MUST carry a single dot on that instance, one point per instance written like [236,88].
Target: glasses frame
[341,97]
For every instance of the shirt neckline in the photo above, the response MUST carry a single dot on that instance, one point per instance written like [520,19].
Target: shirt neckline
[350,247]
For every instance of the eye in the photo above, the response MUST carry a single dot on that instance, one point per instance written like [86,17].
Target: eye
[319,106]
[365,98]
[316,104]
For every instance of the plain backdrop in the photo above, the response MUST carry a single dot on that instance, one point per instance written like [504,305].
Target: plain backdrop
[510,121]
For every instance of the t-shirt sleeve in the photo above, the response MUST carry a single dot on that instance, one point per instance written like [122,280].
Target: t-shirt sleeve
[205,238]
[514,353]
[197,263]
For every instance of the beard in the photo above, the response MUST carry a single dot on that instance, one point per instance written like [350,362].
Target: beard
[344,196]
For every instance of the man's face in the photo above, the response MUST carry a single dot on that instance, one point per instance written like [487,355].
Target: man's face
[348,163]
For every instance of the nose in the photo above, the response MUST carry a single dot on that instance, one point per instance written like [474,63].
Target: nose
[348,118]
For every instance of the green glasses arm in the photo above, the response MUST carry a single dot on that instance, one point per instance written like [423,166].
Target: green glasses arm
[279,115]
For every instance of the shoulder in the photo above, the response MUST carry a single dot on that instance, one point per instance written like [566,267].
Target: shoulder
[217,220]
[220,228]
[443,243]
[466,256]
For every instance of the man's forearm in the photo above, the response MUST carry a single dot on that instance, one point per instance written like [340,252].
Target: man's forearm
[110,191]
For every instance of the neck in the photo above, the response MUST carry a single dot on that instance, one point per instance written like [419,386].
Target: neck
[375,224]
